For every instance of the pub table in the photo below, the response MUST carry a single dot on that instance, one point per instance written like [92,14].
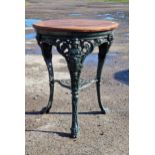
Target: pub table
[74,39]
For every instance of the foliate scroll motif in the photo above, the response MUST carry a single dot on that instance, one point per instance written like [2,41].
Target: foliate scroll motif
[85,45]
[68,47]
[110,39]
[74,50]
[105,39]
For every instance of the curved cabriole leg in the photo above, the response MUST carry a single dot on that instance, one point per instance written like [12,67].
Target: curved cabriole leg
[75,95]
[74,50]
[47,54]
[75,66]
[74,62]
[103,49]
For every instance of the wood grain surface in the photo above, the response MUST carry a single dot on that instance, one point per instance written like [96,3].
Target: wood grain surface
[76,25]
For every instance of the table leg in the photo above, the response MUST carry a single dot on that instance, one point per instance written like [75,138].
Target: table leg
[47,54]
[75,95]
[75,65]
[103,49]
[74,51]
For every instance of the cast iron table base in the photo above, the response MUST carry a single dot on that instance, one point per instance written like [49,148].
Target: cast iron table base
[74,46]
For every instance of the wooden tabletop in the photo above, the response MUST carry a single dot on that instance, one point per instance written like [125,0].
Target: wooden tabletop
[76,25]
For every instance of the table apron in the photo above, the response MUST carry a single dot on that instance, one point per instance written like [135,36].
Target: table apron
[96,39]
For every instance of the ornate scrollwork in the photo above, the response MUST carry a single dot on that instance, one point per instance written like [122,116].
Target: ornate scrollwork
[84,44]
[110,39]
[64,46]
[75,48]
[105,39]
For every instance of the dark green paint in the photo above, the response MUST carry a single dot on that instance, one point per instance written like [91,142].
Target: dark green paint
[74,46]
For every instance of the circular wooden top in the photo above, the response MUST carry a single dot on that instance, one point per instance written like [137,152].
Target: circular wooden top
[76,25]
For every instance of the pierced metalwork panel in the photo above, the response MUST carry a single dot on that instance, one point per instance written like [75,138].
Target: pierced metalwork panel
[95,39]
[74,47]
